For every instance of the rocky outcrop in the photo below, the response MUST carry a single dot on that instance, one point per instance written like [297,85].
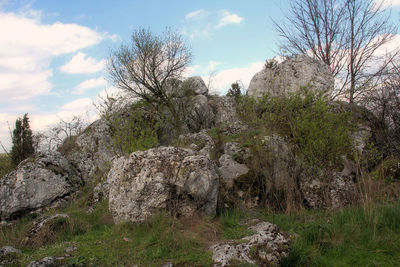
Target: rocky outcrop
[290,76]
[37,183]
[196,84]
[91,149]
[191,86]
[266,247]
[200,142]
[226,116]
[162,179]
[329,190]
[200,114]
[230,169]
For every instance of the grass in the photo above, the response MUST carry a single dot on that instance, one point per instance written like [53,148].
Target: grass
[355,236]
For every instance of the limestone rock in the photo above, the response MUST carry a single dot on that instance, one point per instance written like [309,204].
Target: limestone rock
[9,256]
[200,142]
[200,114]
[100,192]
[330,190]
[37,183]
[226,116]
[289,76]
[266,247]
[196,84]
[47,262]
[92,149]
[8,249]
[234,149]
[230,169]
[165,178]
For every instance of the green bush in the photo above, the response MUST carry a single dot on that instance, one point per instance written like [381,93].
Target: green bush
[135,129]
[320,136]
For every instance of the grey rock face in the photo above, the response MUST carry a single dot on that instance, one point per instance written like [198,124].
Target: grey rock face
[37,183]
[46,262]
[226,116]
[159,179]
[331,190]
[201,114]
[9,256]
[230,169]
[200,142]
[196,84]
[100,192]
[234,149]
[92,149]
[290,75]
[8,250]
[360,137]
[266,247]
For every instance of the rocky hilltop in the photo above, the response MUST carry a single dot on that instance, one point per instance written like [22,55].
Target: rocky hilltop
[213,164]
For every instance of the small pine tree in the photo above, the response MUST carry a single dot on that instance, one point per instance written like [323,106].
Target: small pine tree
[22,140]
[235,90]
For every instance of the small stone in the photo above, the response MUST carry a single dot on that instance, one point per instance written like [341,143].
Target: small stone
[71,249]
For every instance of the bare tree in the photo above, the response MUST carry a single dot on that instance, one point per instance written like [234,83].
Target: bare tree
[344,34]
[57,134]
[147,65]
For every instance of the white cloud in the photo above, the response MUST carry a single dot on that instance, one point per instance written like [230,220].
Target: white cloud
[223,80]
[196,14]
[89,84]
[43,121]
[202,23]
[390,3]
[229,18]
[27,47]
[80,63]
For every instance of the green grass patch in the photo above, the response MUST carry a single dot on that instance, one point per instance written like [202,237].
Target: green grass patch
[100,242]
[352,237]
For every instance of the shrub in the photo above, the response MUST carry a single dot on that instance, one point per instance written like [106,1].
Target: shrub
[134,129]
[319,135]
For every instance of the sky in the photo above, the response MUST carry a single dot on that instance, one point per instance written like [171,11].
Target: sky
[53,53]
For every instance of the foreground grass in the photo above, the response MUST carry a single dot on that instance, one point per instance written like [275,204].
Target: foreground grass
[355,236]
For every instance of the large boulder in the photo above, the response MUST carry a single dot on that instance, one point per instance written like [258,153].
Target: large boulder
[328,190]
[169,179]
[191,86]
[90,150]
[195,84]
[290,76]
[36,183]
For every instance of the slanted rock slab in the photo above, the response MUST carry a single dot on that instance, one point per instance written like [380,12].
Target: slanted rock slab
[37,183]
